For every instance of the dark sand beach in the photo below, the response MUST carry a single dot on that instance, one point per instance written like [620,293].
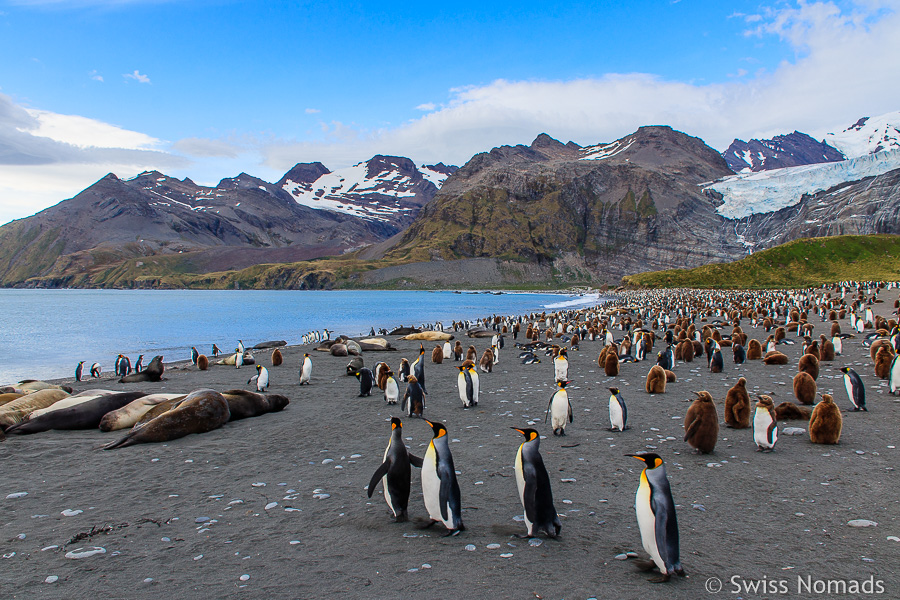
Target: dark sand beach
[281,498]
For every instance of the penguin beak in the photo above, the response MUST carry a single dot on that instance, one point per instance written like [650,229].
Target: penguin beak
[517,429]
[637,457]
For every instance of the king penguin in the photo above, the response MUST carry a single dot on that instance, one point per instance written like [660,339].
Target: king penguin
[561,366]
[419,368]
[78,370]
[855,389]
[618,413]
[894,375]
[96,369]
[306,369]
[765,426]
[366,381]
[238,358]
[655,510]
[533,482]
[261,377]
[139,365]
[194,355]
[414,398]
[559,410]
[476,383]
[395,473]
[439,485]
[391,388]
[465,387]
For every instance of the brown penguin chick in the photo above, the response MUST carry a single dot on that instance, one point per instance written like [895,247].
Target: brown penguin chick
[775,358]
[780,334]
[471,353]
[457,351]
[737,406]
[754,350]
[725,344]
[277,358]
[671,377]
[701,424]
[873,349]
[826,422]
[813,350]
[804,388]
[574,342]
[437,355]
[687,351]
[676,352]
[611,365]
[809,364]
[656,380]
[883,359]
[826,348]
[788,411]
[487,361]
[835,328]
[383,377]
[202,362]
[601,360]
[698,348]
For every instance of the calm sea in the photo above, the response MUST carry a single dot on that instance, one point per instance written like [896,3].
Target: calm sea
[46,332]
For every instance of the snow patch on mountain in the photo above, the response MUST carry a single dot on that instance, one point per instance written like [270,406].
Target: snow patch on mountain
[868,135]
[747,194]
[601,151]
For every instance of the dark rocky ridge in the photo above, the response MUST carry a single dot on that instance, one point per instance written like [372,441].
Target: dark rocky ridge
[789,150]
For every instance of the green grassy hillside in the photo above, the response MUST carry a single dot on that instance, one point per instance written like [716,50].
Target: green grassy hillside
[800,263]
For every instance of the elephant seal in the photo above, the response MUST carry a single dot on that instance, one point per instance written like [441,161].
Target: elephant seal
[405,331]
[353,348]
[429,336]
[355,364]
[339,350]
[81,416]
[199,412]
[479,332]
[16,411]
[7,397]
[129,414]
[34,385]
[269,344]
[157,410]
[243,404]
[376,345]
[79,398]
[153,372]
[229,360]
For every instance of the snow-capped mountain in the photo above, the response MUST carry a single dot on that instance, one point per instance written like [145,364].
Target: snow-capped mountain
[768,191]
[868,135]
[386,189]
[781,151]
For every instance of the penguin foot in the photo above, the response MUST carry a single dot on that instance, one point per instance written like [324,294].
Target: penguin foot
[644,565]
[452,532]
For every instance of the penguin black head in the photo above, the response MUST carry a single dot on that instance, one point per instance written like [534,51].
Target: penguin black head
[438,428]
[421,348]
[563,384]
[845,370]
[395,423]
[652,460]
[258,368]
[530,434]
[615,391]
[461,368]
[306,354]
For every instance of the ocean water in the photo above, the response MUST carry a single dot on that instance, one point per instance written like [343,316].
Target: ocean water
[46,332]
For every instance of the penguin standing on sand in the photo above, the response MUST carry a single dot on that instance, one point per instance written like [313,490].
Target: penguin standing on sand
[139,365]
[125,366]
[215,350]
[366,381]
[561,366]
[194,355]
[439,485]
[78,370]
[533,482]
[618,412]
[391,388]
[96,369]
[419,368]
[118,366]
[855,389]
[404,369]
[765,426]
[716,363]
[476,383]
[261,377]
[238,358]
[894,375]
[655,510]
[241,346]
[395,473]
[414,398]
[559,410]
[465,386]
[306,369]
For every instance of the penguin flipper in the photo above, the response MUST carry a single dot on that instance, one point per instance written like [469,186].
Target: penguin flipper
[415,460]
[379,473]
[770,432]
[666,530]
[529,494]
[571,416]
[691,429]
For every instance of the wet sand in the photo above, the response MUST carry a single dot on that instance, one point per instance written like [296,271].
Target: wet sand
[190,517]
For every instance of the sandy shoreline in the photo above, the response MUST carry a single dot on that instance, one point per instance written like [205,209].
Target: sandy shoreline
[169,513]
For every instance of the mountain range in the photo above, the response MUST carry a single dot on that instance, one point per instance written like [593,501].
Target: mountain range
[548,213]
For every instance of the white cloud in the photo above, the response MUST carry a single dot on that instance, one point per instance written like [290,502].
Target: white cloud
[96,76]
[312,111]
[204,147]
[140,78]
[428,106]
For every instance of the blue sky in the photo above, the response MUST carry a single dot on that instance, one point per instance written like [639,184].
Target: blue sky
[207,88]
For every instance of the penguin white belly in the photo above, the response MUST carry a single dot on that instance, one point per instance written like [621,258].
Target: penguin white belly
[647,522]
[895,375]
[562,369]
[761,422]
[448,351]
[307,371]
[384,482]
[520,482]
[838,344]
[848,385]
[476,385]
[615,414]
[391,391]
[559,410]
[431,487]
[461,386]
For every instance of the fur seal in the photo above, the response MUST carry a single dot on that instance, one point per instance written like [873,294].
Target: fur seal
[339,350]
[86,415]
[243,404]
[701,424]
[355,364]
[429,336]
[131,413]
[16,411]
[153,372]
[199,412]
[826,422]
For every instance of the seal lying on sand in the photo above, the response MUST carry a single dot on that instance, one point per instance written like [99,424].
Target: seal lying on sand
[153,372]
[16,411]
[129,414]
[199,412]
[243,404]
[80,416]
[269,344]
[430,336]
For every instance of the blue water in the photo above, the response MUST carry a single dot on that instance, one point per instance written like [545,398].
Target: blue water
[46,332]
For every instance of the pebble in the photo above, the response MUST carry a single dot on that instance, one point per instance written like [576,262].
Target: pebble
[71,513]
[244,577]
[356,456]
[148,580]
[713,464]
[321,496]
[410,535]
[85,552]
[21,536]
[426,566]
[470,547]
[493,546]
[413,570]
[154,460]
[271,505]
[519,518]
[294,542]
[534,542]
[568,480]
[506,555]
[622,556]
[51,579]
[198,557]
[699,507]
[632,554]
[258,484]
[201,519]
[567,502]
[16,495]
[10,555]
[793,431]
[233,502]
[53,547]
[893,538]
[165,539]
[327,461]
[861,523]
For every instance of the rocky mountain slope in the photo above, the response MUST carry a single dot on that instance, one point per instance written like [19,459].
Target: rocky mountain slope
[788,150]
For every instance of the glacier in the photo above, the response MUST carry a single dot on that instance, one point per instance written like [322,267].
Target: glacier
[748,194]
